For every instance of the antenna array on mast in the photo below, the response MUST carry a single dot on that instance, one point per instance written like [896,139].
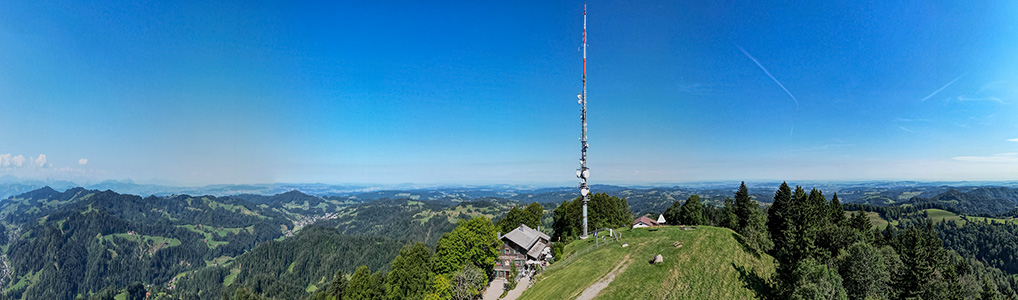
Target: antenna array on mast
[583,173]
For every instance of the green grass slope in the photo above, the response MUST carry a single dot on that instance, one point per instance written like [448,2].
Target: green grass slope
[711,264]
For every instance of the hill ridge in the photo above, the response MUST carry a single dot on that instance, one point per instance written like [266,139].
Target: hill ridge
[711,264]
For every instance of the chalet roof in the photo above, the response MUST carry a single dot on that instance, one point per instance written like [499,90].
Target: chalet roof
[528,238]
[536,250]
[645,220]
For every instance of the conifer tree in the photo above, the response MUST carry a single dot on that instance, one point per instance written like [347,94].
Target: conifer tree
[922,253]
[338,285]
[777,219]
[816,227]
[836,211]
[864,272]
[691,213]
[860,222]
[744,205]
[730,221]
[136,291]
[890,236]
[791,229]
[752,221]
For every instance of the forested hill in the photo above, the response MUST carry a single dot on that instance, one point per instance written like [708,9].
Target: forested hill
[992,200]
[62,245]
[83,243]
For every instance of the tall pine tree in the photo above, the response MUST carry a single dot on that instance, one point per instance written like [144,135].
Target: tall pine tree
[836,211]
[777,219]
[744,206]
[752,221]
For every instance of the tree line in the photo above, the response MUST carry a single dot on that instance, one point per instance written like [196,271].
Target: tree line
[457,268]
[824,253]
[603,211]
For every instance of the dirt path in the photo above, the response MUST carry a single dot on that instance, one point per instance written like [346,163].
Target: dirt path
[596,288]
[495,289]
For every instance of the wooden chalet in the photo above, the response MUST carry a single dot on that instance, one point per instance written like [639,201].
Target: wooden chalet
[524,247]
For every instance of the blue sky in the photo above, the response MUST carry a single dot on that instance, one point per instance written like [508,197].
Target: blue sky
[362,92]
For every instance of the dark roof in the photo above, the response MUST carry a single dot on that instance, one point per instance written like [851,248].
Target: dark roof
[645,220]
[528,238]
[536,250]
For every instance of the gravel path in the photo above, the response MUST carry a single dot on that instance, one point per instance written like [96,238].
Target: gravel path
[596,288]
[495,289]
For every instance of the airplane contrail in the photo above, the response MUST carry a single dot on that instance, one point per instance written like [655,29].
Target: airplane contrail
[769,75]
[941,88]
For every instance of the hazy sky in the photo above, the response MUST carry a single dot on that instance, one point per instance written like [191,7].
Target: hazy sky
[209,92]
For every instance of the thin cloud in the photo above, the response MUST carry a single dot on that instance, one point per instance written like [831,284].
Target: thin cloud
[83,161]
[1002,158]
[769,75]
[1013,140]
[941,88]
[997,91]
[990,99]
[701,89]
[838,144]
[899,121]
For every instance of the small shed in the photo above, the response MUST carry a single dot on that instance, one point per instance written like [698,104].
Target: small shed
[644,222]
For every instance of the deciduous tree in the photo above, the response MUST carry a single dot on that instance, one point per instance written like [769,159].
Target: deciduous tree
[411,274]
[473,241]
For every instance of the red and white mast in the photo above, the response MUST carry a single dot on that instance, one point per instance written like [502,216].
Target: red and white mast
[583,173]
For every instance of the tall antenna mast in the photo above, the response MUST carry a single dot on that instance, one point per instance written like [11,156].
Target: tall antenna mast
[583,173]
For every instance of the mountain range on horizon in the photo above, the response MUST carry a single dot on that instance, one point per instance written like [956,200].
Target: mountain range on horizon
[184,244]
[10,185]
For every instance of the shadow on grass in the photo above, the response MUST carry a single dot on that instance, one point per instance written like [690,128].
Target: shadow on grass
[745,246]
[754,282]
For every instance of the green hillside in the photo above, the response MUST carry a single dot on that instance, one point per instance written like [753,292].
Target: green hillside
[932,214]
[711,264]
